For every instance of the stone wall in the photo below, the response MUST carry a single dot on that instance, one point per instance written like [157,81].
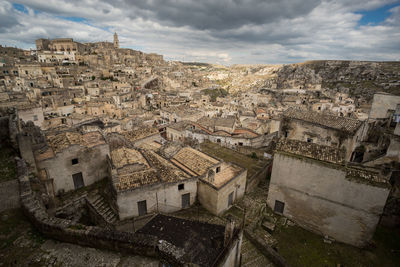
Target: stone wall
[253,181]
[323,153]
[4,132]
[168,195]
[321,197]
[92,163]
[67,231]
[9,195]
[265,249]
[381,104]
[215,199]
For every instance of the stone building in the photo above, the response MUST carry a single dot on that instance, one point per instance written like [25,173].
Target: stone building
[220,184]
[383,106]
[60,45]
[382,145]
[180,113]
[31,113]
[311,185]
[144,182]
[71,160]
[199,243]
[116,41]
[183,130]
[322,129]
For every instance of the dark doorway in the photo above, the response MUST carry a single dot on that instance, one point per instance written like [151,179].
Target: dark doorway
[185,200]
[279,206]
[142,207]
[230,199]
[78,180]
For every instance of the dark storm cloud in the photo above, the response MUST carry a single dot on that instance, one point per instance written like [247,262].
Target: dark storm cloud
[234,31]
[219,14]
[7,19]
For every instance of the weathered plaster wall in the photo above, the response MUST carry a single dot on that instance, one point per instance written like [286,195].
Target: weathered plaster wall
[237,186]
[29,115]
[323,136]
[319,198]
[168,195]
[208,197]
[381,104]
[394,148]
[216,200]
[92,162]
[233,257]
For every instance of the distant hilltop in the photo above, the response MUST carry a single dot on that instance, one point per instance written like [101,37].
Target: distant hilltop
[69,45]
[353,77]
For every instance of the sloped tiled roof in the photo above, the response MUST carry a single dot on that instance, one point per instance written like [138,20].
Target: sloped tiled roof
[125,156]
[196,161]
[327,120]
[63,140]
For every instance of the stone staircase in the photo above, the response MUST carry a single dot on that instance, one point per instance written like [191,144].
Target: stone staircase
[101,208]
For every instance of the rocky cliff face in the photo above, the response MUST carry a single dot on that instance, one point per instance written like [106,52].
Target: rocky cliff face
[353,77]
[357,77]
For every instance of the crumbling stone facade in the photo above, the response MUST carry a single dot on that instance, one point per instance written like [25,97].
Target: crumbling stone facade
[327,197]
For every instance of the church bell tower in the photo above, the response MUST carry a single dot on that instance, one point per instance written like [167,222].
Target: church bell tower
[116,42]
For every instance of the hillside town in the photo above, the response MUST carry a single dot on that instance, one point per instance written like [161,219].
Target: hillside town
[193,164]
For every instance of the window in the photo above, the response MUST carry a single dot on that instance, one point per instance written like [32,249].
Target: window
[35,117]
[240,144]
[218,169]
[218,140]
[230,199]
[74,161]
[309,140]
[279,206]
[286,133]
[181,186]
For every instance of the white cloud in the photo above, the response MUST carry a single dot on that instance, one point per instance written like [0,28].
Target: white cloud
[320,30]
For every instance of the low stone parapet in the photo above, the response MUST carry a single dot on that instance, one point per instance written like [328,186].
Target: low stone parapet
[68,231]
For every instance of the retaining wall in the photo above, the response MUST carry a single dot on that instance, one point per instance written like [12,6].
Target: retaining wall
[92,236]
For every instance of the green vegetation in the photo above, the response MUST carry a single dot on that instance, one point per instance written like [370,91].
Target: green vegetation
[253,155]
[111,78]
[196,64]
[367,88]
[99,185]
[214,93]
[7,163]
[18,238]
[303,248]
[77,227]
[251,164]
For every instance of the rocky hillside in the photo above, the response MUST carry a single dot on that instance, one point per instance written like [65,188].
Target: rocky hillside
[355,77]
[358,77]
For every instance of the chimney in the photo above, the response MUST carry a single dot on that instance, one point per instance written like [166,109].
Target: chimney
[211,176]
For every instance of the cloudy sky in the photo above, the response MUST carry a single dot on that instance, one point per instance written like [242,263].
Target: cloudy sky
[216,31]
